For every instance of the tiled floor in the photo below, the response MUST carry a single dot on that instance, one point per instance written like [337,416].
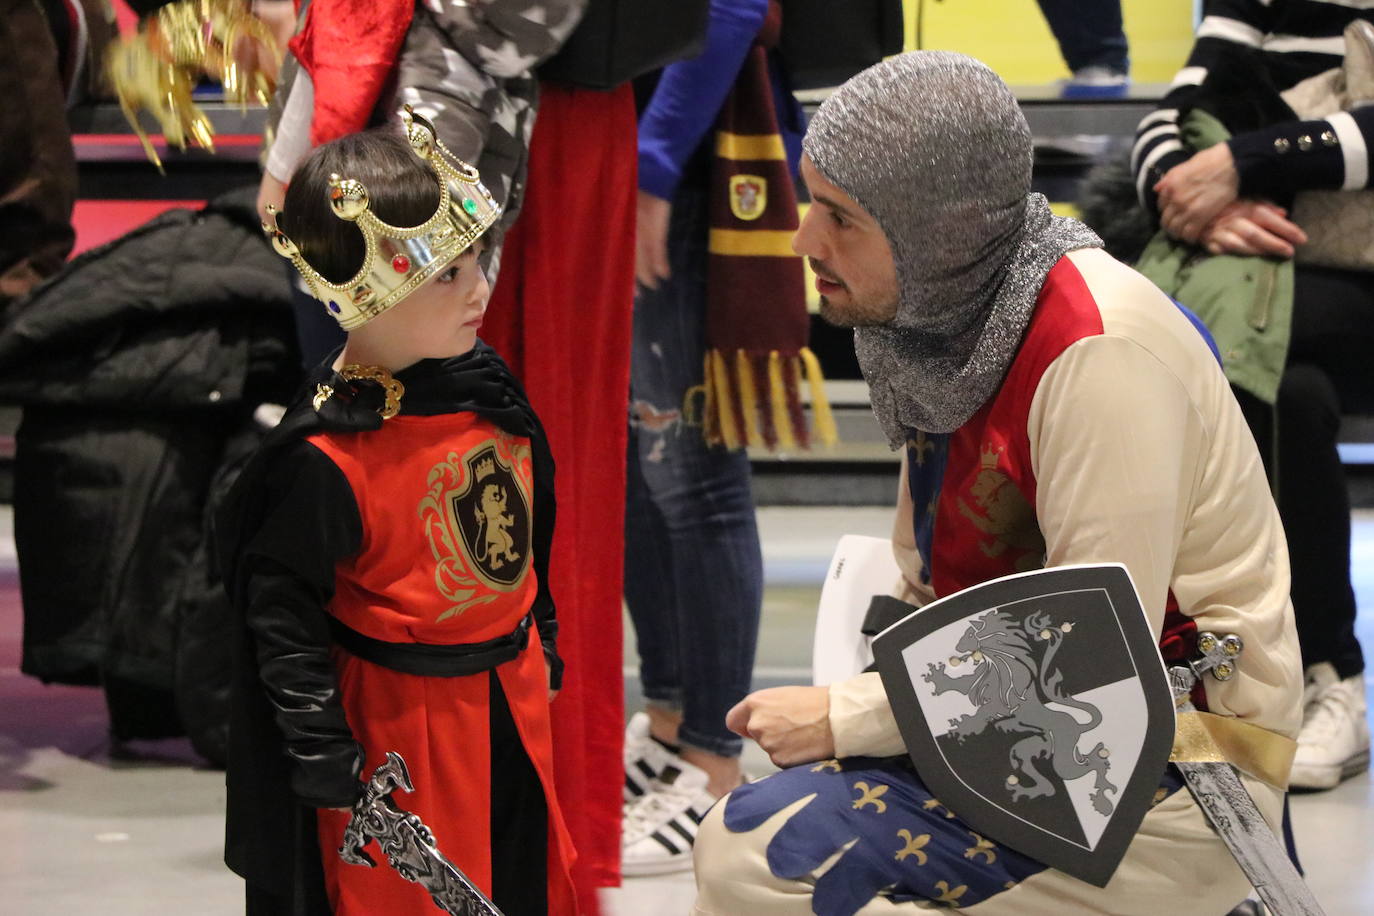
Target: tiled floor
[88,834]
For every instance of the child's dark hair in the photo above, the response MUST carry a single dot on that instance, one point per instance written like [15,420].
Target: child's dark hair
[401,186]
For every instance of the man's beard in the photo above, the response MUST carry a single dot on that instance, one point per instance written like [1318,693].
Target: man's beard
[855,315]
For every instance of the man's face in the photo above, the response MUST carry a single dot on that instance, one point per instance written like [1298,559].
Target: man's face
[855,273]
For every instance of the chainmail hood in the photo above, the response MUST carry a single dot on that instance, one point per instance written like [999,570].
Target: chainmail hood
[933,145]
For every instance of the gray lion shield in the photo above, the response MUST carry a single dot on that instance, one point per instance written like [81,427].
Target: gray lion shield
[1036,706]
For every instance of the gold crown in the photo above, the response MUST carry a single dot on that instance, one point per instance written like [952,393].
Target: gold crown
[397,260]
[989,455]
[485,468]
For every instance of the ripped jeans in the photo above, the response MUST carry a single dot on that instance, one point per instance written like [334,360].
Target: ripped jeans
[693,568]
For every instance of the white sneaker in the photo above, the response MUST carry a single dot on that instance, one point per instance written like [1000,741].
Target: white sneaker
[1095,82]
[644,758]
[1334,741]
[660,827]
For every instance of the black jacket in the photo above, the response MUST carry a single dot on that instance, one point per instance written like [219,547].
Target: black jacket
[286,756]
[138,368]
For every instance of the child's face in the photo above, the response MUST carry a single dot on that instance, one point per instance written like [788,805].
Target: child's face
[441,318]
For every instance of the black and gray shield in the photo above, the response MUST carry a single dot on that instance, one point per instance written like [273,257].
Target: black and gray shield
[1036,707]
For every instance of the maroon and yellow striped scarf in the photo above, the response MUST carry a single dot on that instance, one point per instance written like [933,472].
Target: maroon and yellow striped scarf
[756,319]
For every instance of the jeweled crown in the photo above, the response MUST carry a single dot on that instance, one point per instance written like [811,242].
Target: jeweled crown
[397,260]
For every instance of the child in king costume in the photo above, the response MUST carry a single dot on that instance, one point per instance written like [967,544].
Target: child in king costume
[387,551]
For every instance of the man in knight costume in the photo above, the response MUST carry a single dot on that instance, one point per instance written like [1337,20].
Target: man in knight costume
[1053,408]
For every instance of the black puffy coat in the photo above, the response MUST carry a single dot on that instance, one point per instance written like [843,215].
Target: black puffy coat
[138,368]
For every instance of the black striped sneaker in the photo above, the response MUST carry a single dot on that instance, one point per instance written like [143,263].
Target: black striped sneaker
[645,758]
[660,827]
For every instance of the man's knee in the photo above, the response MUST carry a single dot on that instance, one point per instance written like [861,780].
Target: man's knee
[730,872]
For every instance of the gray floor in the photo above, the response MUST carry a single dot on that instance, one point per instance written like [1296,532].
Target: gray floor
[91,834]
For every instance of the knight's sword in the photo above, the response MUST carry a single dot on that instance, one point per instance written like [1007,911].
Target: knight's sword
[409,845]
[1217,788]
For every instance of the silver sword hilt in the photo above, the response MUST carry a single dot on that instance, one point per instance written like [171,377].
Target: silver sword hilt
[372,812]
[1218,655]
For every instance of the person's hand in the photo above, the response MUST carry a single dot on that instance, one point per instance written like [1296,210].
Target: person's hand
[548,680]
[270,191]
[279,16]
[651,239]
[1192,193]
[1253,227]
[792,724]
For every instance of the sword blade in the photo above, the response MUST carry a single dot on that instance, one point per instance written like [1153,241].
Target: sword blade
[420,861]
[1232,813]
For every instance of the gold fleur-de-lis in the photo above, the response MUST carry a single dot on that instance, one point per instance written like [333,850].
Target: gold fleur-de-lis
[1160,794]
[832,765]
[920,445]
[948,894]
[913,846]
[981,847]
[870,796]
[933,803]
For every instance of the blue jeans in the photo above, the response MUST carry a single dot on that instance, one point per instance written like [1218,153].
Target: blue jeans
[693,568]
[1089,33]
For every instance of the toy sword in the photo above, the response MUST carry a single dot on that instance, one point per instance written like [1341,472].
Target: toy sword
[1224,800]
[409,844]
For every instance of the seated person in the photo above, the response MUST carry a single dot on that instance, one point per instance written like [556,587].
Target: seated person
[1055,408]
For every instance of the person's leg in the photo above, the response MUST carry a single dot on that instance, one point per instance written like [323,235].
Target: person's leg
[812,839]
[1327,376]
[519,817]
[1089,34]
[37,164]
[699,499]
[693,575]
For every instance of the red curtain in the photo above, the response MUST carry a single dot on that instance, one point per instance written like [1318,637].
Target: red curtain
[560,315]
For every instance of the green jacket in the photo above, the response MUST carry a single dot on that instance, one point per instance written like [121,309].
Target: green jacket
[1246,302]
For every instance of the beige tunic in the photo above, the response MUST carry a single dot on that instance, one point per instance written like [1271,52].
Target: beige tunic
[1141,456]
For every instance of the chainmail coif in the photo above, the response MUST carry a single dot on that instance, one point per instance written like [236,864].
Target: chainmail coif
[933,145]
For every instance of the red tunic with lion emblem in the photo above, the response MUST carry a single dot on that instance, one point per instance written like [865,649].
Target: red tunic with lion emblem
[445,558]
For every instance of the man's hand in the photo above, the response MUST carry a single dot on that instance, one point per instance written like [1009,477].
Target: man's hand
[1193,193]
[1253,227]
[651,239]
[792,724]
[270,191]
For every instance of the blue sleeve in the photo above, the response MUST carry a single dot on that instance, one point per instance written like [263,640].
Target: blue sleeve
[691,92]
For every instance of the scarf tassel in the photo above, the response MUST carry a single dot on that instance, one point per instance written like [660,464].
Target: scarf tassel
[754,400]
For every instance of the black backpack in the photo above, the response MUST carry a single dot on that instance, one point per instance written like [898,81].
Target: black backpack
[825,42]
[618,40]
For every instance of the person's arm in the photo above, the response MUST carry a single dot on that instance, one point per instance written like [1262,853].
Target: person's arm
[1114,441]
[1324,153]
[507,38]
[545,510]
[908,586]
[289,565]
[1158,147]
[691,92]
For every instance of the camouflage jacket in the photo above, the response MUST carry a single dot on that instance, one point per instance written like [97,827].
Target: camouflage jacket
[466,65]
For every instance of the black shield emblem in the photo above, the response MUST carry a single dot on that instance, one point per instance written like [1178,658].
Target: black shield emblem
[493,517]
[1037,708]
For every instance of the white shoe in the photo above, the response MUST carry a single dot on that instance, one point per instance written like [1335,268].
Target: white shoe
[660,827]
[1095,82]
[644,758]
[1334,742]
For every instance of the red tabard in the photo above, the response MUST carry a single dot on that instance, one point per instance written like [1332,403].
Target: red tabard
[985,521]
[445,558]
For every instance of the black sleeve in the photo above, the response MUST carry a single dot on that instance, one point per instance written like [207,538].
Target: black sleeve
[545,510]
[1280,160]
[312,522]
[1226,26]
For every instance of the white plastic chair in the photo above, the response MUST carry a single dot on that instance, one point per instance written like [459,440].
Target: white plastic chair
[861,568]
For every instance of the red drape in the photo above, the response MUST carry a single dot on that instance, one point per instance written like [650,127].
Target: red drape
[560,315]
[350,49]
